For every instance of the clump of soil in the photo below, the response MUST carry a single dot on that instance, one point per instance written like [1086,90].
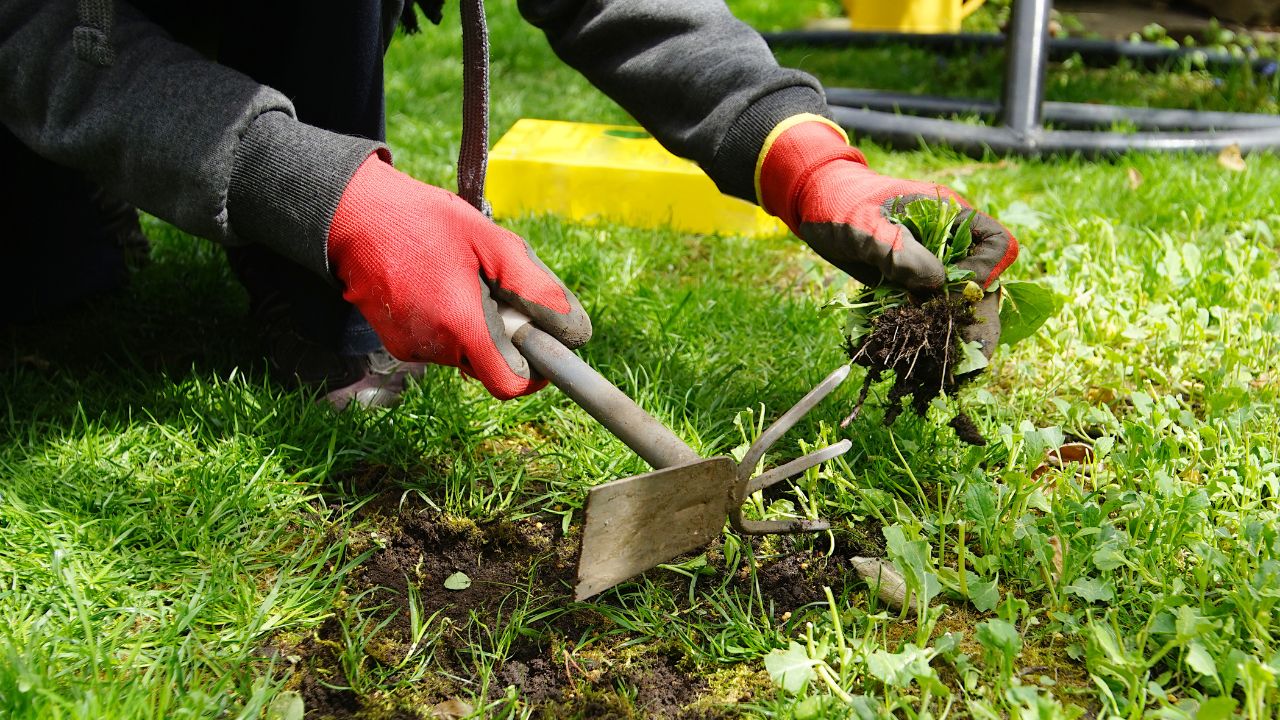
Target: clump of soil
[920,344]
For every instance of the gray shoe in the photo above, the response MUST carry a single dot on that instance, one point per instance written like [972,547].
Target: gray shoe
[373,380]
[380,385]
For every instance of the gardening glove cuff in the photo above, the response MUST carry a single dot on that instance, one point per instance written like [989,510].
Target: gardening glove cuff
[808,176]
[428,272]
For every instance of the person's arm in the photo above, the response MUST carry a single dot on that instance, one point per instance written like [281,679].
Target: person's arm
[701,81]
[223,157]
[708,88]
[180,136]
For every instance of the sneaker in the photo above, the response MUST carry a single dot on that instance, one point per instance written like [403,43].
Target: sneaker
[373,380]
[380,385]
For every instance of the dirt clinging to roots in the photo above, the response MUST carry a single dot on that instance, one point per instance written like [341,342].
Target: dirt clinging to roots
[919,344]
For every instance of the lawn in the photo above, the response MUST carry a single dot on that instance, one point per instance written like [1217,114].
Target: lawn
[183,538]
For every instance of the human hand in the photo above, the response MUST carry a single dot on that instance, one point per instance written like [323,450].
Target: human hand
[811,178]
[428,270]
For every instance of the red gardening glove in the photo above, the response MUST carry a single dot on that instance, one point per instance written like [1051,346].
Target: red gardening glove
[427,270]
[823,190]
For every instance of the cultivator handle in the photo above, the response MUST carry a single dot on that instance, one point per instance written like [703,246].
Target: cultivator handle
[641,432]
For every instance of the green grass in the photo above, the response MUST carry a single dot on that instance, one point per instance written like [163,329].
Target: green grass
[168,515]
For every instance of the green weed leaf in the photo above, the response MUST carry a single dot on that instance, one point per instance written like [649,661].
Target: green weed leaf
[1108,558]
[1093,590]
[961,239]
[980,505]
[972,359]
[1199,659]
[287,705]
[1000,637]
[1219,708]
[900,669]
[457,581]
[1025,308]
[983,593]
[791,669]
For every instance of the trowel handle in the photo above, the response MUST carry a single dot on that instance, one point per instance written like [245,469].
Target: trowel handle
[641,432]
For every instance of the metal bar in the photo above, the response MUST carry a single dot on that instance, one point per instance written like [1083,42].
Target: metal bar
[641,432]
[905,131]
[1026,66]
[797,466]
[908,103]
[1093,52]
[1085,115]
[1063,114]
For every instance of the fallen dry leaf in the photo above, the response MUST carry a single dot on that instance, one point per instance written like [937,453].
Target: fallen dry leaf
[1056,560]
[1060,457]
[1072,453]
[1135,179]
[1231,159]
[882,576]
[452,709]
[1100,395]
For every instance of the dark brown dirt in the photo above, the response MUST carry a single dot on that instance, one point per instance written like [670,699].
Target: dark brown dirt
[920,344]
[967,430]
[525,565]
[791,576]
[651,686]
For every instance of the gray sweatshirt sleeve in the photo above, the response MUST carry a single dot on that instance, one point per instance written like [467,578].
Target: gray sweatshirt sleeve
[704,83]
[162,126]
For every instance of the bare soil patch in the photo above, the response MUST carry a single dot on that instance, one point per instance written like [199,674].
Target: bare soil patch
[523,567]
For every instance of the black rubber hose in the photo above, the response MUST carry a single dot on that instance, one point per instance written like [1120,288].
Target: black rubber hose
[1093,52]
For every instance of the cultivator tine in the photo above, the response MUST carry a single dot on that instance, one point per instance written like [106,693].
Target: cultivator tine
[746,485]
[797,466]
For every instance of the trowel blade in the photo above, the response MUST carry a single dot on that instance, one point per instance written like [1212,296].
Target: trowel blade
[638,522]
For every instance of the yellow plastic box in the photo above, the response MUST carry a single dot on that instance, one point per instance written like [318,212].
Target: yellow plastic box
[918,16]
[616,173]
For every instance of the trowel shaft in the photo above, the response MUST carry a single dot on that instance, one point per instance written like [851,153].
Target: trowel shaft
[641,432]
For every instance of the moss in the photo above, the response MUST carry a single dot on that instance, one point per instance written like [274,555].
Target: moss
[586,701]
[734,684]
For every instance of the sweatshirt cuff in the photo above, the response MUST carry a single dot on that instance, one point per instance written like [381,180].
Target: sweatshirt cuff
[734,166]
[286,182]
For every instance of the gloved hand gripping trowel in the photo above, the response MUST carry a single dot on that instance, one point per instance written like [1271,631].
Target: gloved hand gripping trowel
[636,523]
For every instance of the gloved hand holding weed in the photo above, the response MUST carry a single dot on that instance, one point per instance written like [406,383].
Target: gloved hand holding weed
[932,309]
[810,178]
[935,343]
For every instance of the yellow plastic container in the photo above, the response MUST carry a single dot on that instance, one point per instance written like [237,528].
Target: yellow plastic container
[918,16]
[611,172]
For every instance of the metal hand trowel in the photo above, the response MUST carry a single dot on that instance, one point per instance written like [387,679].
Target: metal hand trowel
[636,523]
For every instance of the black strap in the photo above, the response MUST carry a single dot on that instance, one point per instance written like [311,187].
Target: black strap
[473,152]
